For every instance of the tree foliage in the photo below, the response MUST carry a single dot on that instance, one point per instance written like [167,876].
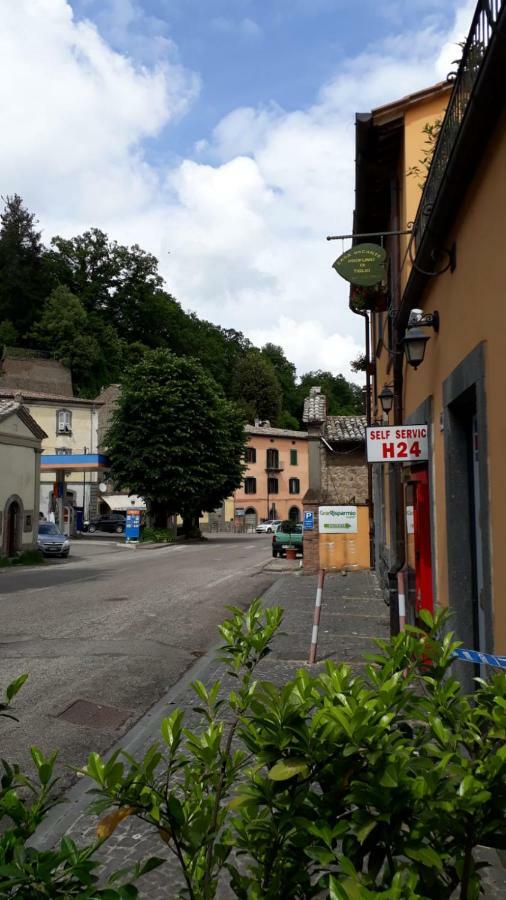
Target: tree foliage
[23,282]
[99,305]
[91,349]
[256,386]
[175,439]
[343,397]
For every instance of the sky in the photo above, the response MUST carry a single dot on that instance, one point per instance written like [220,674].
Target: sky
[217,134]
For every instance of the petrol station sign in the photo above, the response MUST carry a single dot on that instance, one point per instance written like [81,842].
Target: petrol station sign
[398,443]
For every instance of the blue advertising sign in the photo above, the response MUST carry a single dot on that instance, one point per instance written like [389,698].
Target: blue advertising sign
[133,524]
[308,521]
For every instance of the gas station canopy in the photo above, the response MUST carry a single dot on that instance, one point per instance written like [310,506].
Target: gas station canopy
[74,462]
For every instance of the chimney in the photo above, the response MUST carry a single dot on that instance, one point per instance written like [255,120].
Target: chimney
[315,407]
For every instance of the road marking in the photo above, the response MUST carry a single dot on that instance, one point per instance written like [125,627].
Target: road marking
[225,578]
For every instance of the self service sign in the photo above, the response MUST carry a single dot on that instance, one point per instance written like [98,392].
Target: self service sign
[400,443]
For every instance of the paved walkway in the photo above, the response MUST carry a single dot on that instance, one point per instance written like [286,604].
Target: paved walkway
[353,614]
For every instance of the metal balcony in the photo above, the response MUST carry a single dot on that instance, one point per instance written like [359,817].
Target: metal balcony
[481,34]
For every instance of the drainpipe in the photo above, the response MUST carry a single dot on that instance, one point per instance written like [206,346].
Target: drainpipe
[399,550]
[362,312]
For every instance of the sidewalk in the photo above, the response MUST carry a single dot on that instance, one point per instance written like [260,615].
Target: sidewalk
[353,614]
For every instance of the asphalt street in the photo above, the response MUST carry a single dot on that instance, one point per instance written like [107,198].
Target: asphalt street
[105,633]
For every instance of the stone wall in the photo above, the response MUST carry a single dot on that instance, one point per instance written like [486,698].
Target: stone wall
[343,475]
[42,375]
[109,398]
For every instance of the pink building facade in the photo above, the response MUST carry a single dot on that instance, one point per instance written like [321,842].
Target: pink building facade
[277,476]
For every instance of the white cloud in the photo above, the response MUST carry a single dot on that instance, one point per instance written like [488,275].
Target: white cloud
[313,347]
[75,113]
[450,51]
[245,221]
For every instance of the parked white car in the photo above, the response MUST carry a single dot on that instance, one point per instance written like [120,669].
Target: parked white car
[268,527]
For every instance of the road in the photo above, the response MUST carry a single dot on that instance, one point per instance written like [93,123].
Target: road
[113,627]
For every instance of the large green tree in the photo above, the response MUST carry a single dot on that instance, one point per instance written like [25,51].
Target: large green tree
[117,282]
[174,439]
[256,388]
[23,278]
[286,375]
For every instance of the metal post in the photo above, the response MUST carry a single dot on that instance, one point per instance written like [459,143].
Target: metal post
[401,594]
[316,620]
[60,500]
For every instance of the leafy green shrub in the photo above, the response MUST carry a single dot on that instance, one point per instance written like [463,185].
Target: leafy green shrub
[27,558]
[66,871]
[158,535]
[350,786]
[380,784]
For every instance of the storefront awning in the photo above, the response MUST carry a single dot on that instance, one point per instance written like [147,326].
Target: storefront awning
[122,502]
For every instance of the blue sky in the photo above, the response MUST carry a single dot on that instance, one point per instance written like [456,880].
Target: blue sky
[217,134]
[252,52]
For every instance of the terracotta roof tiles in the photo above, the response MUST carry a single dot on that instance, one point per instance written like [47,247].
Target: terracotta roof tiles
[345,429]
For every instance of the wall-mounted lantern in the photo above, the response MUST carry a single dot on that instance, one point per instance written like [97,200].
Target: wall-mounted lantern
[386,398]
[415,339]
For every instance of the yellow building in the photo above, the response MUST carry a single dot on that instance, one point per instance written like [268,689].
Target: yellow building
[439,522]
[69,449]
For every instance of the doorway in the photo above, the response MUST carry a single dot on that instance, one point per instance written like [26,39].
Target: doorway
[250,519]
[465,520]
[467,508]
[13,527]
[419,544]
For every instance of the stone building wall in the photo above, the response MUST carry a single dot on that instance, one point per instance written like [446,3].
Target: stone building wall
[343,475]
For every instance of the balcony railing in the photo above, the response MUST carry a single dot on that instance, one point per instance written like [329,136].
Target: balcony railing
[482,29]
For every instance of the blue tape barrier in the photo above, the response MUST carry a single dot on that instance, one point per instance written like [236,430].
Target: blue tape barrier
[487,659]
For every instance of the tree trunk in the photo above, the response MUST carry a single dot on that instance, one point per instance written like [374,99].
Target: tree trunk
[158,514]
[191,528]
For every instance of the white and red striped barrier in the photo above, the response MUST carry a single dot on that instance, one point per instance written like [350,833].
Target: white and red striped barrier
[316,620]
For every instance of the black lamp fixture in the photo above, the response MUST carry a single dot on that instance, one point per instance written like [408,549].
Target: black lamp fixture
[415,339]
[386,398]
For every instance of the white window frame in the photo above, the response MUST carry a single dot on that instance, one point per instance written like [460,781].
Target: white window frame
[63,421]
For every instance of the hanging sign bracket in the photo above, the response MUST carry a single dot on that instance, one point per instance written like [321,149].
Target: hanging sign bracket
[365,234]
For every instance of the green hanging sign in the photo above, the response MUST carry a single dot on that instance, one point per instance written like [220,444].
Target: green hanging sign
[363,264]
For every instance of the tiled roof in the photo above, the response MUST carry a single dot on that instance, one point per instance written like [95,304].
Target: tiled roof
[10,407]
[345,429]
[274,432]
[41,395]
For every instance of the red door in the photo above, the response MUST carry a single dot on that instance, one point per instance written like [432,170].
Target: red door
[424,597]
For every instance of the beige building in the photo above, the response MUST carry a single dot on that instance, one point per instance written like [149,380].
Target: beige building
[20,449]
[439,521]
[70,424]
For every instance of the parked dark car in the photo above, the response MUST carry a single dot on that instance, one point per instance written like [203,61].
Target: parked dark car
[50,540]
[113,522]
